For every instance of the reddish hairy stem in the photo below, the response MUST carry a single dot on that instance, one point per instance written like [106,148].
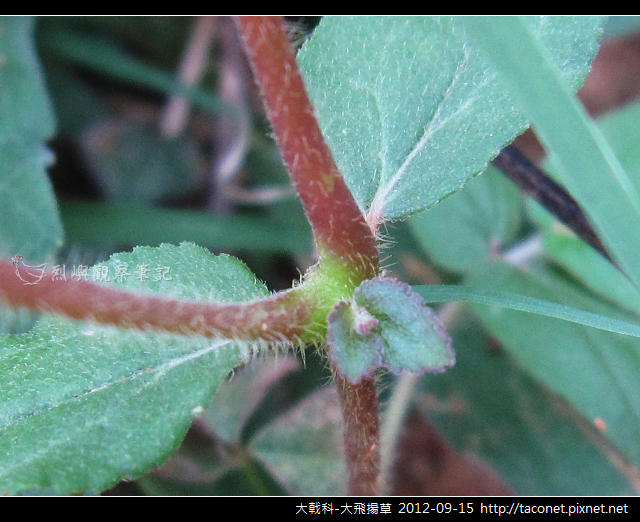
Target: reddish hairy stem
[338,224]
[361,435]
[282,317]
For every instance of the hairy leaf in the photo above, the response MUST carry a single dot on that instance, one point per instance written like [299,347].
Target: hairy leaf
[387,325]
[410,108]
[83,406]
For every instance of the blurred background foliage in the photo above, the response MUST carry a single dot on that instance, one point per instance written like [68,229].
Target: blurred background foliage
[161,138]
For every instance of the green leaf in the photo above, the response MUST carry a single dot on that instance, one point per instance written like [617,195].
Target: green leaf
[490,407]
[304,449]
[622,131]
[473,225]
[409,106]
[24,107]
[354,342]
[586,164]
[98,223]
[596,371]
[84,406]
[277,415]
[29,224]
[286,393]
[133,163]
[523,303]
[621,26]
[591,268]
[386,325]
[107,59]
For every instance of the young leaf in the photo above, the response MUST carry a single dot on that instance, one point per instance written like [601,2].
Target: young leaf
[387,325]
[353,345]
[410,108]
[82,406]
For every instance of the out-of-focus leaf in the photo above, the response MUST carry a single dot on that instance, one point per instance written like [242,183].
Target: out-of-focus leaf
[303,449]
[107,59]
[488,406]
[621,26]
[133,163]
[596,371]
[523,303]
[586,163]
[286,393]
[300,444]
[98,223]
[622,131]
[473,225]
[29,224]
[591,268]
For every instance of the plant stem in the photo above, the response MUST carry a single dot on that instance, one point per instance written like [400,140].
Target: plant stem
[361,435]
[282,318]
[339,227]
[338,224]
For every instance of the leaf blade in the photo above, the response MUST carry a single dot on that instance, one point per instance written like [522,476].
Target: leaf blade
[29,224]
[586,163]
[595,370]
[539,444]
[386,325]
[401,102]
[84,406]
[522,303]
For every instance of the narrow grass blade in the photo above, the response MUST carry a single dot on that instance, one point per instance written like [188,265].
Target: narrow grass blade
[586,164]
[440,294]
